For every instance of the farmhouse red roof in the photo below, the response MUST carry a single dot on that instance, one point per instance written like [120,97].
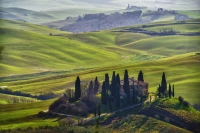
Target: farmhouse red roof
[136,82]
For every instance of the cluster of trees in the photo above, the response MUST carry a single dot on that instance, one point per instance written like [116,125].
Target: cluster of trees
[111,93]
[96,22]
[183,102]
[159,12]
[87,100]
[91,89]
[42,96]
[162,89]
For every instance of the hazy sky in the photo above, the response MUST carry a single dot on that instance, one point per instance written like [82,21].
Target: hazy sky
[43,5]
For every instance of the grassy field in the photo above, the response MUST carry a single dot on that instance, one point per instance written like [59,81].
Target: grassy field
[35,62]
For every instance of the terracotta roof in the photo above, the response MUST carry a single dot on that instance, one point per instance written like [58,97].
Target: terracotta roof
[136,82]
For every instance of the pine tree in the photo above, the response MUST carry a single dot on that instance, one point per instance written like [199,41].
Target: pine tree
[126,84]
[173,91]
[103,94]
[140,76]
[77,94]
[170,91]
[113,85]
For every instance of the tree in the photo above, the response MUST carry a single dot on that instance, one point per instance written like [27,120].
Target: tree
[126,84]
[96,85]
[170,91]
[117,95]
[91,85]
[1,49]
[99,110]
[103,94]
[113,85]
[159,93]
[173,91]
[163,84]
[180,99]
[140,76]
[118,79]
[77,94]
[107,85]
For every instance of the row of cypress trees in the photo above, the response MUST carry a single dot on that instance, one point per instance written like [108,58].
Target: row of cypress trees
[114,89]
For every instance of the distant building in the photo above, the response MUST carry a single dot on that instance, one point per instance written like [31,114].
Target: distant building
[140,86]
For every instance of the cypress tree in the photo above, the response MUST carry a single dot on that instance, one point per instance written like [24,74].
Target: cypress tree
[126,84]
[117,95]
[140,76]
[96,85]
[103,94]
[170,91]
[91,85]
[118,79]
[107,85]
[113,85]
[163,84]
[77,94]
[173,91]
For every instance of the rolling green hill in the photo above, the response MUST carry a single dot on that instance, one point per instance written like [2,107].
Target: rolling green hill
[33,59]
[35,62]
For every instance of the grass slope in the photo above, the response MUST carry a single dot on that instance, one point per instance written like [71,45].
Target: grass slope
[180,70]
[167,45]
[42,52]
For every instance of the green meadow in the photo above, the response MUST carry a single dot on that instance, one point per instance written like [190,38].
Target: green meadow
[35,62]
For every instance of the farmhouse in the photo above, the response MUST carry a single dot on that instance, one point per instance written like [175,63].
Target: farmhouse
[140,86]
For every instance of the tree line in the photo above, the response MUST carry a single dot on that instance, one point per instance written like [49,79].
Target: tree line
[111,93]
[42,96]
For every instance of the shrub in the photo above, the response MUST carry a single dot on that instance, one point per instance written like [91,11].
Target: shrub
[180,99]
[66,121]
[55,104]
[186,104]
